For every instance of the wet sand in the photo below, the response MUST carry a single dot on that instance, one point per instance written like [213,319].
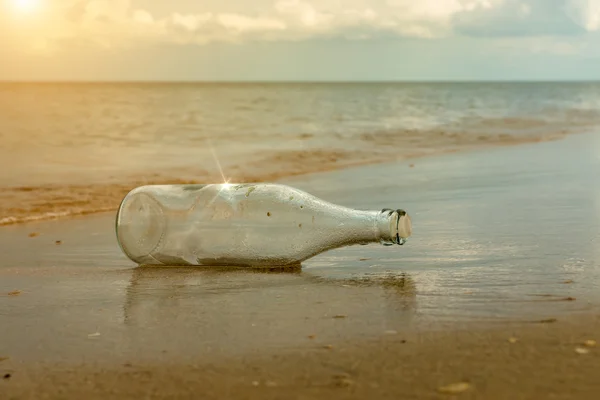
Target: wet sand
[504,245]
[511,362]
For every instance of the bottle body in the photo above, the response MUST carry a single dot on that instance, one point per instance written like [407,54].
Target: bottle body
[246,225]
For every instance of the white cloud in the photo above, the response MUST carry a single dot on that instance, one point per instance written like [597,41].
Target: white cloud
[115,9]
[586,13]
[143,17]
[190,23]
[530,18]
[241,23]
[531,46]
[115,23]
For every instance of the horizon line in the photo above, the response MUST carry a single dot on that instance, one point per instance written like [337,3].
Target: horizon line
[308,81]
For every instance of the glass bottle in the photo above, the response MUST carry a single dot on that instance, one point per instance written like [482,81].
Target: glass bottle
[261,224]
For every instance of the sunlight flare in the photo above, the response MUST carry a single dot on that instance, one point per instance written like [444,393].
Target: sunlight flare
[25,6]
[216,158]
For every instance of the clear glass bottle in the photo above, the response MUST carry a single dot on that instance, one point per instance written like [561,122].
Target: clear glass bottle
[262,224]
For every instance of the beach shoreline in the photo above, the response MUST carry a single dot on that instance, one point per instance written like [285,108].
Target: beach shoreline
[22,204]
[77,149]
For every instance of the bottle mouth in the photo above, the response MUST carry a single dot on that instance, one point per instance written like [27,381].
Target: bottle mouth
[400,226]
[403,227]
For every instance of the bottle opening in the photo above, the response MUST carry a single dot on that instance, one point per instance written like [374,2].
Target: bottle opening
[403,227]
[399,225]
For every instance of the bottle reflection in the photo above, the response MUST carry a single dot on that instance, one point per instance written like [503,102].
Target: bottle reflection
[155,290]
[392,293]
[217,301]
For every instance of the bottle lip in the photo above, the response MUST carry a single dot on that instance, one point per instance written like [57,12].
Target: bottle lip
[403,227]
[400,226]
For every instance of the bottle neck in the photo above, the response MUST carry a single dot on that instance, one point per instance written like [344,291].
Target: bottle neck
[387,227]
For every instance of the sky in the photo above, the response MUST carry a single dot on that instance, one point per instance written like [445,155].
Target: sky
[299,40]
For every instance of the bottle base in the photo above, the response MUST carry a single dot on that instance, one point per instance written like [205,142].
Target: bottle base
[140,227]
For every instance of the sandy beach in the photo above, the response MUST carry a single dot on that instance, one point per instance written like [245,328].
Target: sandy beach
[495,292]
[511,362]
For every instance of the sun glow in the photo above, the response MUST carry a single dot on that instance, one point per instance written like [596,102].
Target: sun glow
[25,6]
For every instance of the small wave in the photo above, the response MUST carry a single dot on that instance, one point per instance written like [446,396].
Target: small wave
[489,131]
[18,219]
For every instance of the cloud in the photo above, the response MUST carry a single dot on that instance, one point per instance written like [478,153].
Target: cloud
[122,23]
[400,18]
[525,18]
[585,13]
[533,46]
[117,23]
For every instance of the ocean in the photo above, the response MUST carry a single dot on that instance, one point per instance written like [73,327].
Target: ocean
[77,148]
